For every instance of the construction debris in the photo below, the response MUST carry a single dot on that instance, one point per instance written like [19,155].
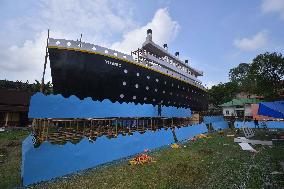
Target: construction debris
[253,142]
[246,146]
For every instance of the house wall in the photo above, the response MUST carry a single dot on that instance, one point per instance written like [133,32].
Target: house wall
[248,110]
[229,110]
[232,110]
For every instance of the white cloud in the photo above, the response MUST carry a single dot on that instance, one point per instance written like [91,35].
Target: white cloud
[24,37]
[98,20]
[163,27]
[255,42]
[274,6]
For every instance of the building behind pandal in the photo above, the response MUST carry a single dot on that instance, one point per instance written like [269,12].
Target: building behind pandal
[14,107]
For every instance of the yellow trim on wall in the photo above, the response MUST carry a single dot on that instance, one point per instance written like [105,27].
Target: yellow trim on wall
[125,60]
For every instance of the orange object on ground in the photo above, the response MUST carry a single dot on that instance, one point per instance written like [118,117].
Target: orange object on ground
[141,159]
[175,146]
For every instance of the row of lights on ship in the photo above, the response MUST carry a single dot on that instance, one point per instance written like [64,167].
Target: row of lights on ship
[157,80]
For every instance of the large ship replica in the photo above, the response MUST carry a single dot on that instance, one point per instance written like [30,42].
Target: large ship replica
[150,75]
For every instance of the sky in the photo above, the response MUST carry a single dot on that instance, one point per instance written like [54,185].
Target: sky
[214,35]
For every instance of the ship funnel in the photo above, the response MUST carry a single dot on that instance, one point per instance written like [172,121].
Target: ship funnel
[177,54]
[186,61]
[149,34]
[165,46]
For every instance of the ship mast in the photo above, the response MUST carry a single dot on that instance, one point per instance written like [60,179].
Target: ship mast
[45,62]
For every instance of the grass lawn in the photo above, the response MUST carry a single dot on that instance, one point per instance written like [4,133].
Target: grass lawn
[215,162]
[10,158]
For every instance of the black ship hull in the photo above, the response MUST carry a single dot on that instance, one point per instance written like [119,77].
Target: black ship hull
[100,76]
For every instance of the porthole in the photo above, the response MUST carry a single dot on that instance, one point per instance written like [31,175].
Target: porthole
[136,86]
[137,74]
[134,97]
[147,88]
[106,51]
[68,44]
[124,83]
[125,71]
[121,95]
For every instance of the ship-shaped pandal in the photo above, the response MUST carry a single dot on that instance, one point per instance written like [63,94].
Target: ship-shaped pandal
[150,75]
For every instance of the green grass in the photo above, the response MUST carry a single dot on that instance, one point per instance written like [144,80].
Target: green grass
[10,158]
[208,163]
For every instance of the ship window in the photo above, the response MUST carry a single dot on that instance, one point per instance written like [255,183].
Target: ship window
[124,83]
[121,95]
[115,54]
[137,74]
[147,88]
[106,51]
[125,71]
[157,80]
[57,42]
[156,90]
[94,48]
[145,98]
[68,44]
[148,77]
[136,86]
[134,97]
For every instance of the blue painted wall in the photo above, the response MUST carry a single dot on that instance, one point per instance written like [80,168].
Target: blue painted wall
[269,124]
[211,119]
[50,161]
[52,106]
[219,125]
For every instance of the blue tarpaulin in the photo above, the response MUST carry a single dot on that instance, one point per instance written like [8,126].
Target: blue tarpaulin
[272,109]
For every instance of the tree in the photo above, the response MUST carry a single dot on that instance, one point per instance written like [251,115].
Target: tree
[242,77]
[267,71]
[223,92]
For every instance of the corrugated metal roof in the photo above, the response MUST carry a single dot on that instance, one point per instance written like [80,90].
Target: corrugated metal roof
[241,101]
